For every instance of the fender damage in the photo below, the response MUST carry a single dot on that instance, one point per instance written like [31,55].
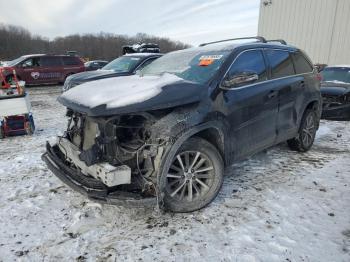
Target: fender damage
[114,154]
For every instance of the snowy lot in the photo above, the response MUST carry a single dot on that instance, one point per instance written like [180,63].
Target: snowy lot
[276,206]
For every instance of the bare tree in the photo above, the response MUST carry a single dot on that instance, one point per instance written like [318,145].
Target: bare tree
[16,41]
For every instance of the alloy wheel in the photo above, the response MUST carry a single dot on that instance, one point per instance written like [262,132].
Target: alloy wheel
[190,176]
[308,132]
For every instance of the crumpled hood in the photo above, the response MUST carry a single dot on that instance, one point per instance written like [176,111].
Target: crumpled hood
[94,75]
[329,88]
[130,94]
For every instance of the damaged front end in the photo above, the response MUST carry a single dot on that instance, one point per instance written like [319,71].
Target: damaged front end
[336,106]
[110,159]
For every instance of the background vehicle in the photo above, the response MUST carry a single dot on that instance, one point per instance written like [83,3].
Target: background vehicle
[121,66]
[3,63]
[94,65]
[15,109]
[141,48]
[335,89]
[43,69]
[166,134]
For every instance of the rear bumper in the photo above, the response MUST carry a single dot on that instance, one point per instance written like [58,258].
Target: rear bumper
[341,112]
[91,187]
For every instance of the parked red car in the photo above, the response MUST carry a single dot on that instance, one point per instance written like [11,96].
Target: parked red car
[43,69]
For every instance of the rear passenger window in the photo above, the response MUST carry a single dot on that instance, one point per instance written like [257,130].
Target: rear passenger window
[301,64]
[47,61]
[251,61]
[281,63]
[71,60]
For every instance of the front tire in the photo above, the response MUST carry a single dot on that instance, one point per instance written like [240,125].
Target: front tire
[194,177]
[307,132]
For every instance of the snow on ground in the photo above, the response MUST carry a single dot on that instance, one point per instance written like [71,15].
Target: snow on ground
[278,205]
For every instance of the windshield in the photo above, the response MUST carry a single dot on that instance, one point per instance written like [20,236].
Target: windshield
[123,64]
[191,64]
[15,61]
[336,74]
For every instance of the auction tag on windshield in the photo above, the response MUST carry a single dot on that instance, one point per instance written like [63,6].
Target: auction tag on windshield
[206,60]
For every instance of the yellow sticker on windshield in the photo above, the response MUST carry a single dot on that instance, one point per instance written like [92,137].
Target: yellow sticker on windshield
[206,60]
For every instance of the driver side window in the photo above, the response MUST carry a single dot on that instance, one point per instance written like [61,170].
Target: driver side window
[31,62]
[249,62]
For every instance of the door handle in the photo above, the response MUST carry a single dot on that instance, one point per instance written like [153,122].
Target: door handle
[272,94]
[302,83]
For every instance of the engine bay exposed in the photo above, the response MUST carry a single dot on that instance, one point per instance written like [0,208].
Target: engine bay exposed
[124,140]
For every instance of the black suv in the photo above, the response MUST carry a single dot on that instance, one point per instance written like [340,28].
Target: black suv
[122,66]
[166,134]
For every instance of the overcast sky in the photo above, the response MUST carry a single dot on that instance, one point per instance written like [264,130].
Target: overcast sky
[190,21]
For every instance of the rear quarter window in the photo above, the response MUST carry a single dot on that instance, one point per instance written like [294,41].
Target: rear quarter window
[280,62]
[71,61]
[301,64]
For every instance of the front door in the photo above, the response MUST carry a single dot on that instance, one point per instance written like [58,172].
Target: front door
[29,70]
[251,108]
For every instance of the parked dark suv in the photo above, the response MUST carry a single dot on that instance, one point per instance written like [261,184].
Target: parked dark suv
[95,65]
[43,69]
[165,135]
[122,66]
[335,90]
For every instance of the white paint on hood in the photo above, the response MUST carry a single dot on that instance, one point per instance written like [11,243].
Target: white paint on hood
[119,91]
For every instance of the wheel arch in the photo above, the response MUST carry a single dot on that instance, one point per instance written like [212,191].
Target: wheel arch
[215,132]
[214,136]
[315,105]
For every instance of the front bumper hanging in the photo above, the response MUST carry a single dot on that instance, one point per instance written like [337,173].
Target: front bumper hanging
[89,186]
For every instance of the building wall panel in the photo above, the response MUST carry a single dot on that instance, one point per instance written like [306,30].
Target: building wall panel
[320,27]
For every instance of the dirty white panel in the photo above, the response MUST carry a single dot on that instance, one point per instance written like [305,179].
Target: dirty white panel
[320,27]
[14,106]
[340,51]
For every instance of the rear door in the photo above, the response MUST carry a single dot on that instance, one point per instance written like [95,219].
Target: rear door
[252,108]
[51,67]
[289,86]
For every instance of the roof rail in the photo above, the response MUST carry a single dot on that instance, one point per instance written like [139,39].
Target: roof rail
[278,40]
[259,38]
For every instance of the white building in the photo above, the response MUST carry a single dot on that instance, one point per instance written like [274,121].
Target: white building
[320,27]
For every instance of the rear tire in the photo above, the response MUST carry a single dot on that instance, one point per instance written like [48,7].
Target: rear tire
[194,178]
[307,131]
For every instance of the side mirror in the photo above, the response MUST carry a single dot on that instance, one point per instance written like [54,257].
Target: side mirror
[239,79]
